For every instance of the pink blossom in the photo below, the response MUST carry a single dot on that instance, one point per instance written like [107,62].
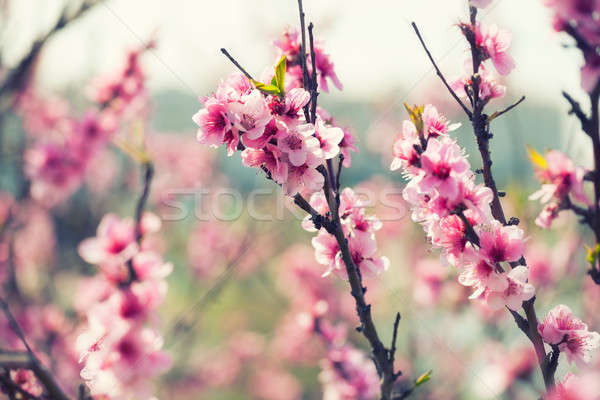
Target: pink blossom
[275,384]
[121,367]
[114,241]
[329,138]
[362,250]
[481,3]
[430,277]
[289,45]
[298,142]
[291,106]
[274,128]
[347,145]
[515,294]
[213,123]
[405,154]
[571,335]
[326,251]
[573,387]
[495,42]
[501,243]
[443,165]
[590,72]
[561,178]
[489,87]
[347,374]
[326,69]
[436,124]
[304,177]
[250,115]
[548,214]
[270,157]
[483,276]
[449,234]
[233,88]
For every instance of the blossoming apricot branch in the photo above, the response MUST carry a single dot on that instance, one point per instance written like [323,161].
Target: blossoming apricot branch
[559,175]
[281,131]
[466,220]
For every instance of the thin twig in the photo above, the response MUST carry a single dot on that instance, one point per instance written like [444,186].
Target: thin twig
[439,73]
[224,51]
[507,109]
[44,376]
[15,388]
[578,112]
[17,77]
[148,169]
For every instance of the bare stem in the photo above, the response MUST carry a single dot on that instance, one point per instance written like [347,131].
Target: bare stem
[509,108]
[224,51]
[148,169]
[16,79]
[43,375]
[439,73]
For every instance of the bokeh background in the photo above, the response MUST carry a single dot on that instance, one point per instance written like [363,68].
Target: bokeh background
[230,290]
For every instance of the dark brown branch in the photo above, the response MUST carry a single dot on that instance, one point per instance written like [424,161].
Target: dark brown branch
[339,171]
[13,388]
[392,355]
[43,375]
[148,169]
[224,51]
[313,80]
[303,49]
[381,355]
[580,40]
[17,78]
[507,109]
[439,73]
[591,126]
[482,134]
[578,112]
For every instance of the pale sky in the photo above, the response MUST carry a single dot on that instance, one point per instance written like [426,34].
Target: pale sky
[372,43]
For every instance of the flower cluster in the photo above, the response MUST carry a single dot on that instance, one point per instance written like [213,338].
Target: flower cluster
[561,178]
[455,211]
[579,18]
[560,328]
[492,44]
[359,228]
[57,161]
[573,387]
[272,132]
[347,374]
[120,346]
[289,46]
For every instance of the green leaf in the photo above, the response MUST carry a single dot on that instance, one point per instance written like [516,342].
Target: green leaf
[280,75]
[592,254]
[277,83]
[423,378]
[536,158]
[416,116]
[268,89]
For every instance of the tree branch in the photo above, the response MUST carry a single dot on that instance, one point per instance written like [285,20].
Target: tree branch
[578,112]
[148,169]
[224,51]
[507,109]
[17,77]
[481,130]
[43,375]
[439,73]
